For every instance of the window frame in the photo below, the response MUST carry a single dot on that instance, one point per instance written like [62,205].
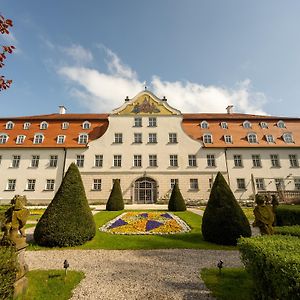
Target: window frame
[211,160]
[50,185]
[137,138]
[228,139]
[60,139]
[83,138]
[152,122]
[38,138]
[11,184]
[224,125]
[256,161]
[16,159]
[44,125]
[86,125]
[247,124]
[204,125]
[173,138]
[238,161]
[173,160]
[192,160]
[275,161]
[117,161]
[252,138]
[9,125]
[194,184]
[137,122]
[294,163]
[20,139]
[207,138]
[137,160]
[53,160]
[98,161]
[97,184]
[35,161]
[288,138]
[152,138]
[26,125]
[80,160]
[152,160]
[65,125]
[3,138]
[30,185]
[241,183]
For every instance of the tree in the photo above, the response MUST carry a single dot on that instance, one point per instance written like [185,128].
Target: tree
[115,200]
[4,29]
[68,220]
[223,220]
[176,202]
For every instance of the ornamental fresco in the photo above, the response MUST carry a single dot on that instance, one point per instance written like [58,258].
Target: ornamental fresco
[145,107]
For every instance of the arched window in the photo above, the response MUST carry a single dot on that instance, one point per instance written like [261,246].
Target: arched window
[3,138]
[207,138]
[60,139]
[43,125]
[288,138]
[263,125]
[38,138]
[269,138]
[247,124]
[26,125]
[280,124]
[9,125]
[204,125]
[86,125]
[224,125]
[20,139]
[65,125]
[83,138]
[252,138]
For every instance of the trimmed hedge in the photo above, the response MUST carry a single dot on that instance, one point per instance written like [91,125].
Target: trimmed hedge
[287,215]
[274,264]
[176,202]
[68,220]
[223,220]
[288,230]
[115,201]
[8,271]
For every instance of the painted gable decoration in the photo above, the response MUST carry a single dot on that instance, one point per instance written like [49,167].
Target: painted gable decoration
[145,107]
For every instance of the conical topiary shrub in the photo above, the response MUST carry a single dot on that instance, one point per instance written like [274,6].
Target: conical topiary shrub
[68,220]
[176,202]
[115,200]
[223,220]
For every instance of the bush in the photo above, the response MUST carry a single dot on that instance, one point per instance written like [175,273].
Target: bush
[274,264]
[176,202]
[8,271]
[223,220]
[68,220]
[287,215]
[115,201]
[288,230]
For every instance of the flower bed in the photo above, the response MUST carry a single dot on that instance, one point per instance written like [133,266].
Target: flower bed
[146,223]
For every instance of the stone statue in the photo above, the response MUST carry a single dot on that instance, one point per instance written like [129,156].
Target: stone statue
[264,216]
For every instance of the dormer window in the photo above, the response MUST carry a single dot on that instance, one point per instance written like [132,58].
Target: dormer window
[224,125]
[263,125]
[83,138]
[252,138]
[44,125]
[26,125]
[247,124]
[269,138]
[38,138]
[60,139]
[20,139]
[207,138]
[65,125]
[280,124]
[204,125]
[3,138]
[9,125]
[288,138]
[86,125]
[228,139]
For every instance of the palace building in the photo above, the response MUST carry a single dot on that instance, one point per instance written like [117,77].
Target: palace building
[148,146]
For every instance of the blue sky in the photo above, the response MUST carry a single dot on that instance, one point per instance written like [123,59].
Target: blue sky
[201,55]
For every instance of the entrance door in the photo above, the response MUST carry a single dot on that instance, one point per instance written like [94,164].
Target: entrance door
[145,190]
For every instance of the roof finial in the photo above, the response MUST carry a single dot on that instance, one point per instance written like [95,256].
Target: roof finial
[145,85]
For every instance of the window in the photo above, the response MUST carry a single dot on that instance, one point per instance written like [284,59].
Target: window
[269,138]
[192,160]
[43,125]
[16,161]
[50,184]
[194,184]
[97,185]
[83,138]
[35,161]
[279,183]
[53,161]
[3,138]
[297,183]
[204,124]
[9,125]
[247,125]
[20,139]
[211,162]
[241,185]
[152,160]
[237,160]
[173,160]
[280,124]
[137,160]
[228,139]
[26,125]
[138,138]
[30,184]
[260,183]
[224,125]
[252,138]
[80,160]
[172,138]
[275,160]
[137,122]
[288,138]
[65,125]
[173,181]
[60,139]
[38,138]
[207,138]
[152,122]
[263,125]
[11,184]
[256,161]
[98,160]
[117,161]
[152,138]
[86,125]
[118,138]
[293,161]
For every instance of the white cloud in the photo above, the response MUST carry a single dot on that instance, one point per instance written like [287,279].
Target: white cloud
[78,54]
[104,91]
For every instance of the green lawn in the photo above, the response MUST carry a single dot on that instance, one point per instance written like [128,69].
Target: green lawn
[51,284]
[231,284]
[103,240]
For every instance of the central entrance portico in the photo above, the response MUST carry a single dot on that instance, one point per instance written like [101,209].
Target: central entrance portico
[145,191]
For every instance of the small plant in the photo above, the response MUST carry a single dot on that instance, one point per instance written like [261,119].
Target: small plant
[176,202]
[115,201]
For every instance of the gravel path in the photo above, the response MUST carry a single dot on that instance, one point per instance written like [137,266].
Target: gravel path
[136,274]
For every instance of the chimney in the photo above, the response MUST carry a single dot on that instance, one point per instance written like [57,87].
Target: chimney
[229,109]
[62,110]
